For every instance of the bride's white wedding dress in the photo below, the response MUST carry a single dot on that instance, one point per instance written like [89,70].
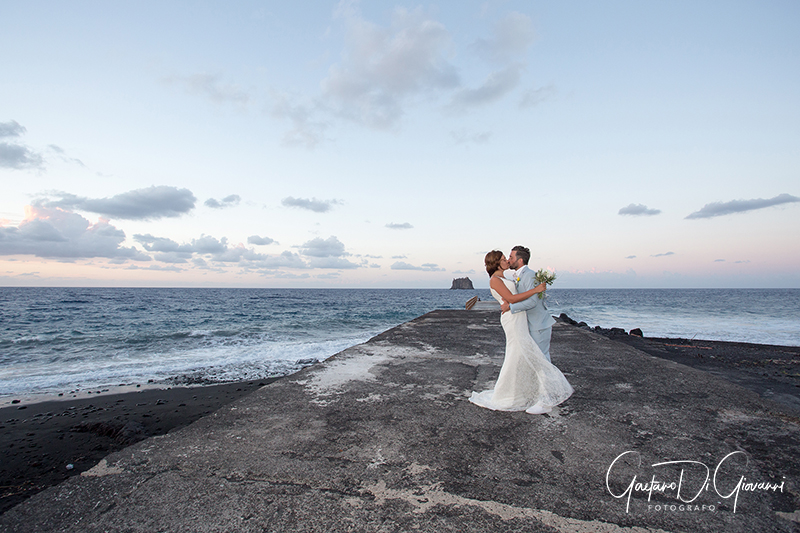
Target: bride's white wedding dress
[527,381]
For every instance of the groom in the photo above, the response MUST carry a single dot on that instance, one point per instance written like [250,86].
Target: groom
[540,323]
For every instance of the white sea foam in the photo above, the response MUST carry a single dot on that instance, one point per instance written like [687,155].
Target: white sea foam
[211,364]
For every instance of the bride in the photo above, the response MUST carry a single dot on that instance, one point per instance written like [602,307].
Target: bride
[527,380]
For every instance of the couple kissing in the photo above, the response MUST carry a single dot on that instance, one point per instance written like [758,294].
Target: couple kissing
[528,381]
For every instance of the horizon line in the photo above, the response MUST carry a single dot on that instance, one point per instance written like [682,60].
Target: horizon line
[365,288]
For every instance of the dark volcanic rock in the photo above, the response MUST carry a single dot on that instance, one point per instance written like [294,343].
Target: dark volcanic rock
[565,318]
[462,283]
[384,433]
[124,433]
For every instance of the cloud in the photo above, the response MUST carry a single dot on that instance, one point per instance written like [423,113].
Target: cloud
[62,155]
[210,86]
[398,257]
[228,201]
[201,263]
[286,259]
[324,253]
[427,267]
[306,129]
[534,97]
[171,257]
[330,247]
[509,42]
[462,137]
[382,67]
[56,233]
[141,204]
[631,257]
[495,86]
[161,244]
[207,244]
[327,253]
[318,206]
[236,254]
[510,38]
[11,129]
[404,225]
[717,209]
[217,249]
[261,241]
[663,255]
[719,260]
[289,275]
[19,157]
[638,210]
[159,268]
[331,262]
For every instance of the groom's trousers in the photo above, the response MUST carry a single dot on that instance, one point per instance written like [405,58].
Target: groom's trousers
[542,339]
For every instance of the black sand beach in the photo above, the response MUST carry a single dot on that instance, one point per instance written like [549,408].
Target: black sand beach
[39,441]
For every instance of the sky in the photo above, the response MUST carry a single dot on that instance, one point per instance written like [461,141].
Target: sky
[628,144]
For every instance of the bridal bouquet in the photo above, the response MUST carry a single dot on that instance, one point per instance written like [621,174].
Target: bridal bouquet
[544,276]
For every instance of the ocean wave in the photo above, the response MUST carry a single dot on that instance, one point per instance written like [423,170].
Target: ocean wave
[210,364]
[28,340]
[135,335]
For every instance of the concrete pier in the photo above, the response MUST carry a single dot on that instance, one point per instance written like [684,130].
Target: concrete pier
[381,437]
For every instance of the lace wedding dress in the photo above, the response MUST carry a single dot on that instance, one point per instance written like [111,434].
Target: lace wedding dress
[527,380]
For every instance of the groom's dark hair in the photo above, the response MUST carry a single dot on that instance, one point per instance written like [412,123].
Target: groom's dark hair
[523,253]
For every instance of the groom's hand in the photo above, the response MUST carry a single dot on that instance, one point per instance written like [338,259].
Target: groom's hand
[504,306]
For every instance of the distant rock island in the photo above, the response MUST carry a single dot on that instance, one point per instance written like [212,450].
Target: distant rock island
[462,283]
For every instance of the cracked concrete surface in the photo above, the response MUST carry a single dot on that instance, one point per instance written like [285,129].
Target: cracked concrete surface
[381,437]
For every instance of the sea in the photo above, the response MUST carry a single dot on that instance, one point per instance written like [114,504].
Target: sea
[66,340]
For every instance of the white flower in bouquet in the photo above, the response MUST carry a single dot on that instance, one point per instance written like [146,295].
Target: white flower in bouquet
[544,276]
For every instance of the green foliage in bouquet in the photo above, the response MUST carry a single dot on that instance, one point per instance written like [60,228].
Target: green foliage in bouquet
[544,276]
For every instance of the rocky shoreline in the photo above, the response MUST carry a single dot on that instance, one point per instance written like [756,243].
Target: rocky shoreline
[45,443]
[772,371]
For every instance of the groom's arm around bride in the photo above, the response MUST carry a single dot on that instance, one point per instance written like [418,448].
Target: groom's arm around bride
[527,281]
[540,322]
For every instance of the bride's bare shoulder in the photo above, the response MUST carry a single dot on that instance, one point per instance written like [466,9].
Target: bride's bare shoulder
[497,281]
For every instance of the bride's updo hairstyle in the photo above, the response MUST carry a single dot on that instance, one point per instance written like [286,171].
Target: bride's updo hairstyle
[492,261]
